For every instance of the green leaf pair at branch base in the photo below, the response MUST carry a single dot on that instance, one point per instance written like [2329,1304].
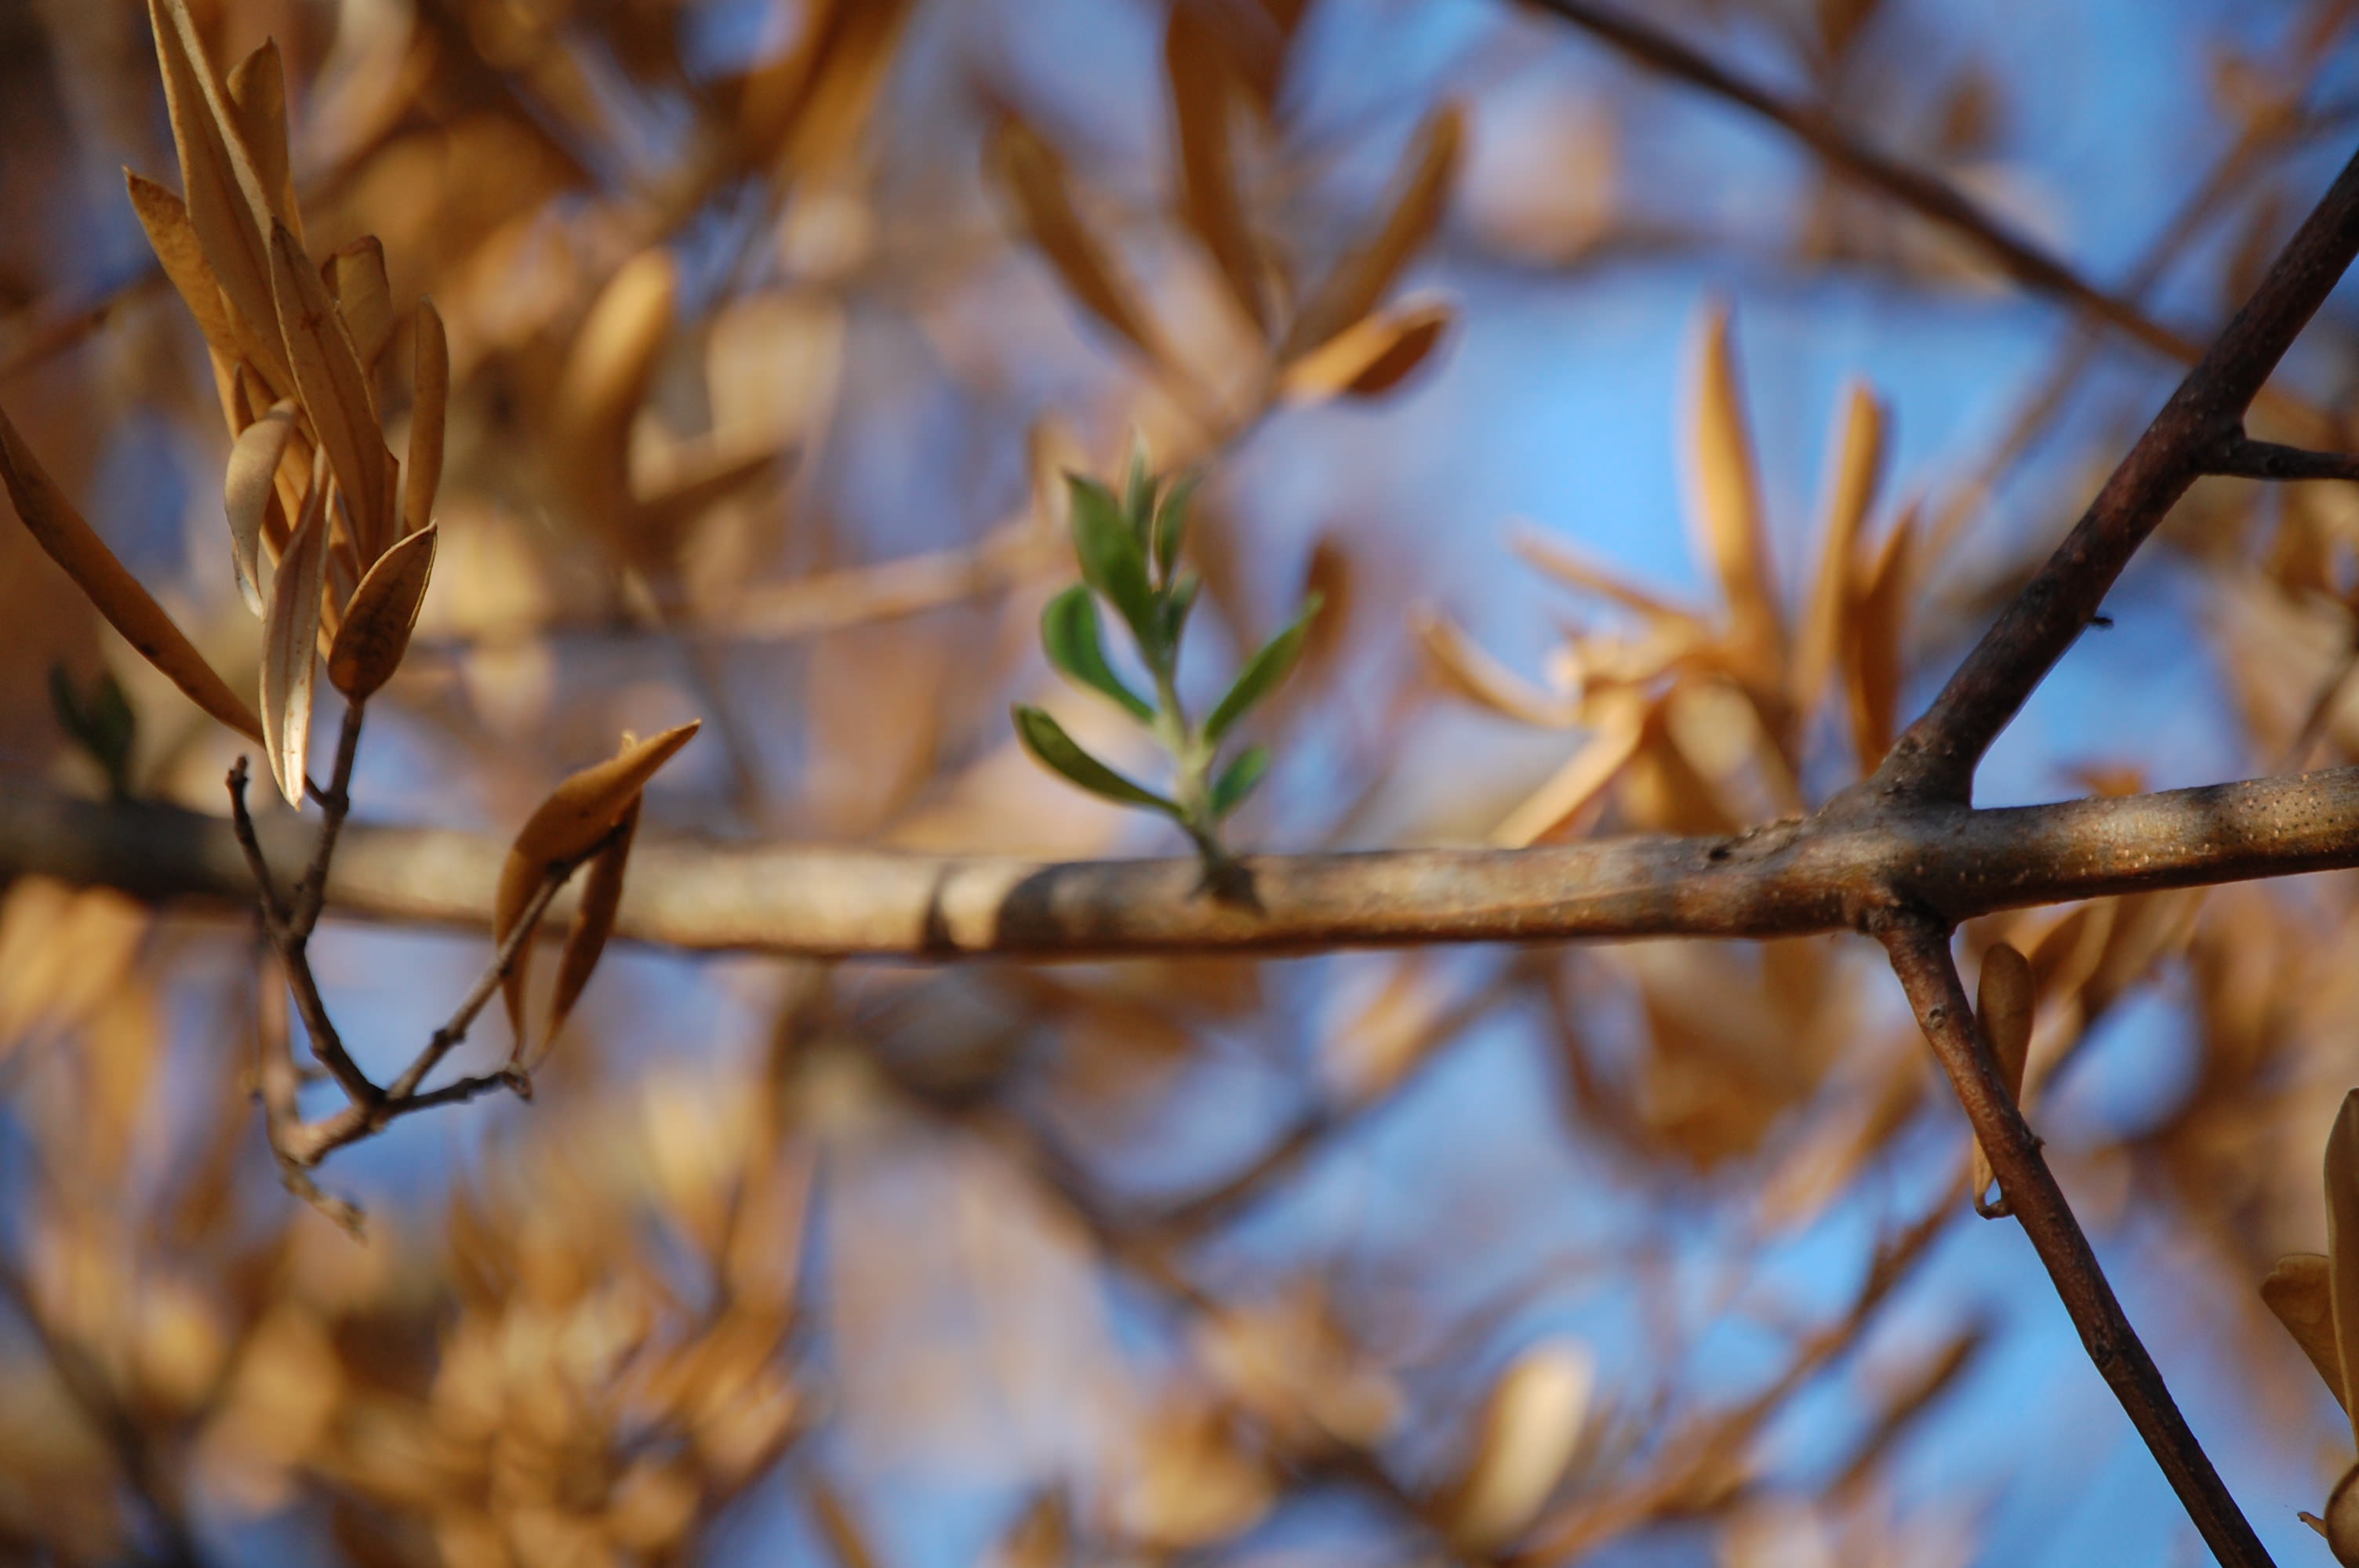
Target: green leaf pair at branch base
[1128,546]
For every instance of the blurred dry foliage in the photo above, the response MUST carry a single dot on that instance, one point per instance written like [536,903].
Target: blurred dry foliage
[770,325]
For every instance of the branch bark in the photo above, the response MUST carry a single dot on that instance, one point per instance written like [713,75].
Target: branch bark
[1784,880]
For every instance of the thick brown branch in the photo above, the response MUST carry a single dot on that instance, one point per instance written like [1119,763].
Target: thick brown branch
[1787,879]
[1919,946]
[1935,760]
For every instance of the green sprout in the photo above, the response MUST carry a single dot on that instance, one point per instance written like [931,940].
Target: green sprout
[1129,549]
[101,725]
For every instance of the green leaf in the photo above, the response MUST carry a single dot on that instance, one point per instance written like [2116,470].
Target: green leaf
[104,727]
[1261,675]
[1170,530]
[1112,559]
[1138,485]
[1238,779]
[1069,631]
[1172,608]
[1059,753]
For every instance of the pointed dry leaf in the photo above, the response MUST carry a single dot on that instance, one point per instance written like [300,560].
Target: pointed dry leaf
[1727,499]
[567,826]
[1475,675]
[2343,1239]
[593,922]
[1612,746]
[1419,197]
[1857,465]
[336,396]
[1531,1429]
[174,241]
[429,411]
[1036,175]
[2301,1292]
[246,490]
[2002,1006]
[1202,90]
[1568,566]
[364,297]
[69,541]
[1875,624]
[1370,357]
[257,96]
[227,205]
[290,636]
[374,636]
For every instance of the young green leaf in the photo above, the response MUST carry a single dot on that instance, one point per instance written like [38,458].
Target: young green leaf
[1170,530]
[1261,675]
[1069,630]
[103,726]
[1139,487]
[1059,753]
[1238,779]
[1113,558]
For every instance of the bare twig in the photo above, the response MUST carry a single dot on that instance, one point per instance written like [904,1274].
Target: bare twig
[1935,759]
[2243,457]
[1918,943]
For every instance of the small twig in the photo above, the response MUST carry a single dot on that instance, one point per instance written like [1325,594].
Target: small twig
[449,1036]
[1919,947]
[335,805]
[2241,457]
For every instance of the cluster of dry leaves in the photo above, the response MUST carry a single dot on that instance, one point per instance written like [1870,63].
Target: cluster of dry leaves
[745,394]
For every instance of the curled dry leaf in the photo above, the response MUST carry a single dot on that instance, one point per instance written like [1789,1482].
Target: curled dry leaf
[228,208]
[2340,1526]
[1035,175]
[567,826]
[246,492]
[69,541]
[1531,1429]
[1203,94]
[593,922]
[336,389]
[1463,668]
[1727,494]
[2002,1005]
[2342,1238]
[1857,466]
[1359,281]
[374,636]
[2301,1292]
[1371,357]
[290,636]
[428,410]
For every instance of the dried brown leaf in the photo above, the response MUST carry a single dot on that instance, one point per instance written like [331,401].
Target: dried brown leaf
[335,385]
[228,206]
[1202,86]
[1857,465]
[1035,175]
[369,644]
[2002,1006]
[1875,624]
[290,637]
[1421,193]
[1464,668]
[247,489]
[1371,357]
[1583,781]
[1727,499]
[257,96]
[355,276]
[566,827]
[429,412]
[69,541]
[2301,1292]
[1531,1429]
[606,377]
[593,922]
[166,219]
